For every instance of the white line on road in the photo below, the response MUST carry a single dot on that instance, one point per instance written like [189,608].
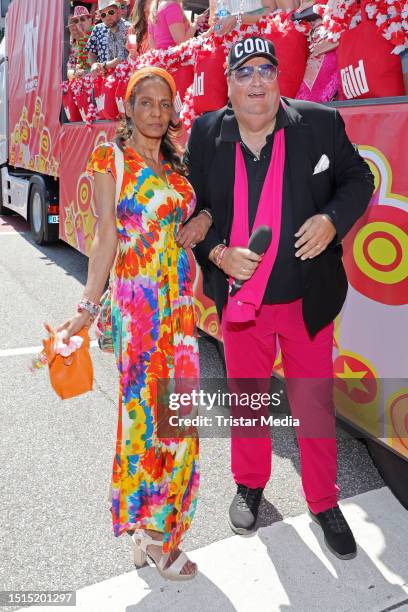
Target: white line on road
[30,350]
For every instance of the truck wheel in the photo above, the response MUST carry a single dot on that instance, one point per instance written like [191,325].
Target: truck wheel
[42,231]
[393,469]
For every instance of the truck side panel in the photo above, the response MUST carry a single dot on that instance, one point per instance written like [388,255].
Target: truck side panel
[34,32]
[77,213]
[3,106]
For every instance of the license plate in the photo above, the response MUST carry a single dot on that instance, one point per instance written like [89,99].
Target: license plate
[53,218]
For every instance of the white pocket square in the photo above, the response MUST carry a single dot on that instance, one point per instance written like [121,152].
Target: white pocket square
[322,164]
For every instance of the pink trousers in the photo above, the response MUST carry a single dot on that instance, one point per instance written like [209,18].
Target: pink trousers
[250,350]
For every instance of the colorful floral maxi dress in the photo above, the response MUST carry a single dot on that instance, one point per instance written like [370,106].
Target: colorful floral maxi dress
[155,481]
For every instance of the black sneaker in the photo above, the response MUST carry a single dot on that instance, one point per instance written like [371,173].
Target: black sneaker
[338,536]
[243,510]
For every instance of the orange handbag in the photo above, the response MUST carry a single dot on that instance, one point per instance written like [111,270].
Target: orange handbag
[73,375]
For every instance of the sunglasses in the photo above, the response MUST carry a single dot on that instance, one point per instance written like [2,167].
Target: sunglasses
[245,74]
[76,20]
[110,12]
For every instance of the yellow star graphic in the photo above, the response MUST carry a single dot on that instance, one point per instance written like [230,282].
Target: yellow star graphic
[353,378]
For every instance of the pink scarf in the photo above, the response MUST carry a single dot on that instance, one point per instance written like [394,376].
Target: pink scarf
[245,303]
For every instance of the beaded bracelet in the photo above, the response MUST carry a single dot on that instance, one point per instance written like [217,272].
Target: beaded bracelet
[91,307]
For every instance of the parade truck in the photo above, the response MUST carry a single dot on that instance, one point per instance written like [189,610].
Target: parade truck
[44,150]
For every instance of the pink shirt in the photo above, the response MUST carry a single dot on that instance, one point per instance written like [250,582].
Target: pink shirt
[160,31]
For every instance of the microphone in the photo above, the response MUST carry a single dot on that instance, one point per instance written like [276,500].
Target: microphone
[258,243]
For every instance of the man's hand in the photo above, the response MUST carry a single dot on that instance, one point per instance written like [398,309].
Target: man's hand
[97,69]
[79,72]
[240,263]
[314,236]
[194,231]
[113,63]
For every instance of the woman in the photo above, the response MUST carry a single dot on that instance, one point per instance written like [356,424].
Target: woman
[168,25]
[321,79]
[137,35]
[155,481]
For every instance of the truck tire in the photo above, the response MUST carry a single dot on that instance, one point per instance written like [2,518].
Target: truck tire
[393,469]
[42,231]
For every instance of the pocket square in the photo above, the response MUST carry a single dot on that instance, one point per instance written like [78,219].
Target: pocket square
[322,164]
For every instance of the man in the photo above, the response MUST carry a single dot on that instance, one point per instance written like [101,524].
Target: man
[107,43]
[81,20]
[125,9]
[287,164]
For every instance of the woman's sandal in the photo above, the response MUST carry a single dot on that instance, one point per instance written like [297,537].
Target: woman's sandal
[141,540]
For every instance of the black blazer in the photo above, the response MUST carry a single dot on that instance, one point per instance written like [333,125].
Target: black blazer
[343,191]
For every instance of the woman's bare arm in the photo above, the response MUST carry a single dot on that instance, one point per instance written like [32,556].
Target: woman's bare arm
[103,250]
[106,238]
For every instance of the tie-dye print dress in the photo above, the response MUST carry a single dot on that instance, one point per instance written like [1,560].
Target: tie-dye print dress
[155,481]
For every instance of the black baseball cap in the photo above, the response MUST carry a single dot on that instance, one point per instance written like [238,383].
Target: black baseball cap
[247,48]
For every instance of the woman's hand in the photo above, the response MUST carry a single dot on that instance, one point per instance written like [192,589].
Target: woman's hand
[225,25]
[74,325]
[323,45]
[194,231]
[202,19]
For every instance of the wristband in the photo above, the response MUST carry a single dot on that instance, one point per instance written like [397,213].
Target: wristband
[220,257]
[218,254]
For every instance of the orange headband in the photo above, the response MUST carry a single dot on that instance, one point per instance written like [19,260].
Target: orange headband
[150,71]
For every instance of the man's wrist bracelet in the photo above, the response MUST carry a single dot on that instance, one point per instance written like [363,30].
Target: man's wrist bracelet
[206,211]
[221,256]
[218,254]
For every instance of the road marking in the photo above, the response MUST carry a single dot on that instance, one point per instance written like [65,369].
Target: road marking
[285,566]
[31,350]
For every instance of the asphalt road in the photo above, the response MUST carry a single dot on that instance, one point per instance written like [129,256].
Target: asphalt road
[56,457]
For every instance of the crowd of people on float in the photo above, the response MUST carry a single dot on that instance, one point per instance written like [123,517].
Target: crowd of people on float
[106,32]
